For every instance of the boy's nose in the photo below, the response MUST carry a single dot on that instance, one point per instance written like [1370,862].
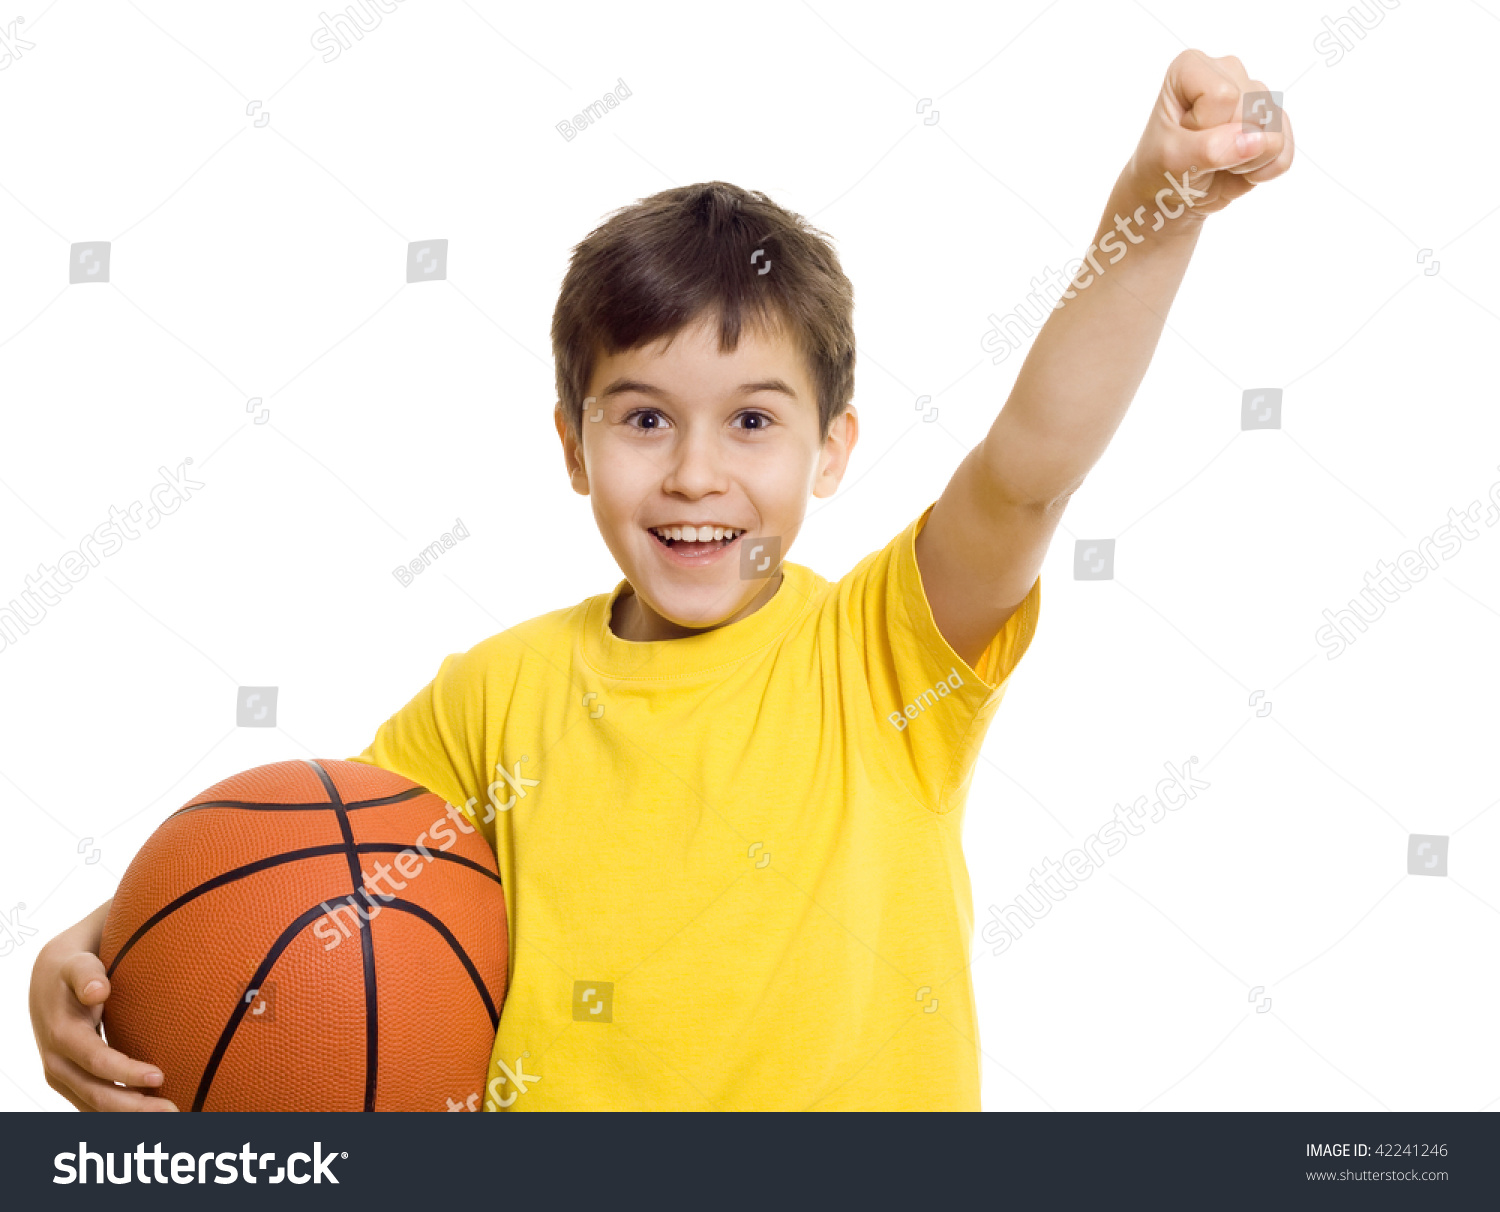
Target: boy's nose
[696,465]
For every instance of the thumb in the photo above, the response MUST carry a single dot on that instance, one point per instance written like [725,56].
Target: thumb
[1224,146]
[84,975]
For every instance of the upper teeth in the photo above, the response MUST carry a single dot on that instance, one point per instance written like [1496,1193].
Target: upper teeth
[696,534]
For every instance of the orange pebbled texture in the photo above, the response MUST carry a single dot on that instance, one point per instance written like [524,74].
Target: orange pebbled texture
[225,898]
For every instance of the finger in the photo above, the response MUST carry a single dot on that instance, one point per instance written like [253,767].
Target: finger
[1272,141]
[79,1045]
[154,1101]
[1206,90]
[1264,149]
[67,1093]
[84,975]
[1283,160]
[89,1094]
[1230,66]
[1217,149]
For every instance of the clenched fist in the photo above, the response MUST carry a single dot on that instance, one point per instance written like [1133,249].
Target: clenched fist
[1214,129]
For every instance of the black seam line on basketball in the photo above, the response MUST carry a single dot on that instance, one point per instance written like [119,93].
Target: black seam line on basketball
[218,881]
[463,956]
[256,982]
[366,937]
[398,798]
[389,847]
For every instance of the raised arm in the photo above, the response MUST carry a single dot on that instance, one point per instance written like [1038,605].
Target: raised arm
[982,546]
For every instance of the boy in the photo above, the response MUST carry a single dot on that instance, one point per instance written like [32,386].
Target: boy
[726,797]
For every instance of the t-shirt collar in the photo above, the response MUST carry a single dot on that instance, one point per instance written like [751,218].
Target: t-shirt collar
[695,654]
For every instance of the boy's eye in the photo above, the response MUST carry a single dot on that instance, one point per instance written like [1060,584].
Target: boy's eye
[763,420]
[642,412]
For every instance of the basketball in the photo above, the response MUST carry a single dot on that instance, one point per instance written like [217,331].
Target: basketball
[310,936]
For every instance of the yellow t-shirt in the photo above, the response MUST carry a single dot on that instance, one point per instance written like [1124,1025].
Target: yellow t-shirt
[731,861]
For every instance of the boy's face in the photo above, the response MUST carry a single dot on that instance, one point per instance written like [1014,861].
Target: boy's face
[677,433]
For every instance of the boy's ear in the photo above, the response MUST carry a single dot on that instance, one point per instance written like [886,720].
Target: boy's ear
[833,459]
[572,451]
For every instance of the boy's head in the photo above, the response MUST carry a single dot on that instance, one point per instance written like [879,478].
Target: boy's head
[704,342]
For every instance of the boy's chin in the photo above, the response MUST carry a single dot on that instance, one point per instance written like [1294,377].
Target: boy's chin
[687,609]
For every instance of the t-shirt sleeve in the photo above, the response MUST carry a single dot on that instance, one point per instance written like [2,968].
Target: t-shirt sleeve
[928,709]
[438,738]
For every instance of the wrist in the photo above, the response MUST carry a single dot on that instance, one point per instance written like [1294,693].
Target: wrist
[1166,201]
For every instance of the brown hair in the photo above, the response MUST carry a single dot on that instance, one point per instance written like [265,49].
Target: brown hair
[653,268]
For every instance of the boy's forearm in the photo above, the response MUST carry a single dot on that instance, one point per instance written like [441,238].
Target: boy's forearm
[1085,365]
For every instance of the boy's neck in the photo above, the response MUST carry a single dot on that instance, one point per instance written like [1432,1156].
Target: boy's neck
[630,619]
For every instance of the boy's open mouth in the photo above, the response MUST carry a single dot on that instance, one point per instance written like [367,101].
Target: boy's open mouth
[684,548]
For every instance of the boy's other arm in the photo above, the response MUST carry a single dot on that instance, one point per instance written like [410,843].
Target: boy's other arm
[982,547]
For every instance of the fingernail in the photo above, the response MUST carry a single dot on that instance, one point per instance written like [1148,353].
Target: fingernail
[1248,142]
[153,1078]
[91,987]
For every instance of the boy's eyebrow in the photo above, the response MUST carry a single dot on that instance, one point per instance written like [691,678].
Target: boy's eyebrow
[621,386]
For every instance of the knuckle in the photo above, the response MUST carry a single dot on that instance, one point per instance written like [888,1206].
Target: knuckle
[81,966]
[69,973]
[97,1062]
[1185,59]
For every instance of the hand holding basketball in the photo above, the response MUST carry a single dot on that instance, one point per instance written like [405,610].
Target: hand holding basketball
[68,990]
[257,962]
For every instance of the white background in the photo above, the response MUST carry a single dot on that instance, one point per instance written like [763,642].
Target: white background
[269,261]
